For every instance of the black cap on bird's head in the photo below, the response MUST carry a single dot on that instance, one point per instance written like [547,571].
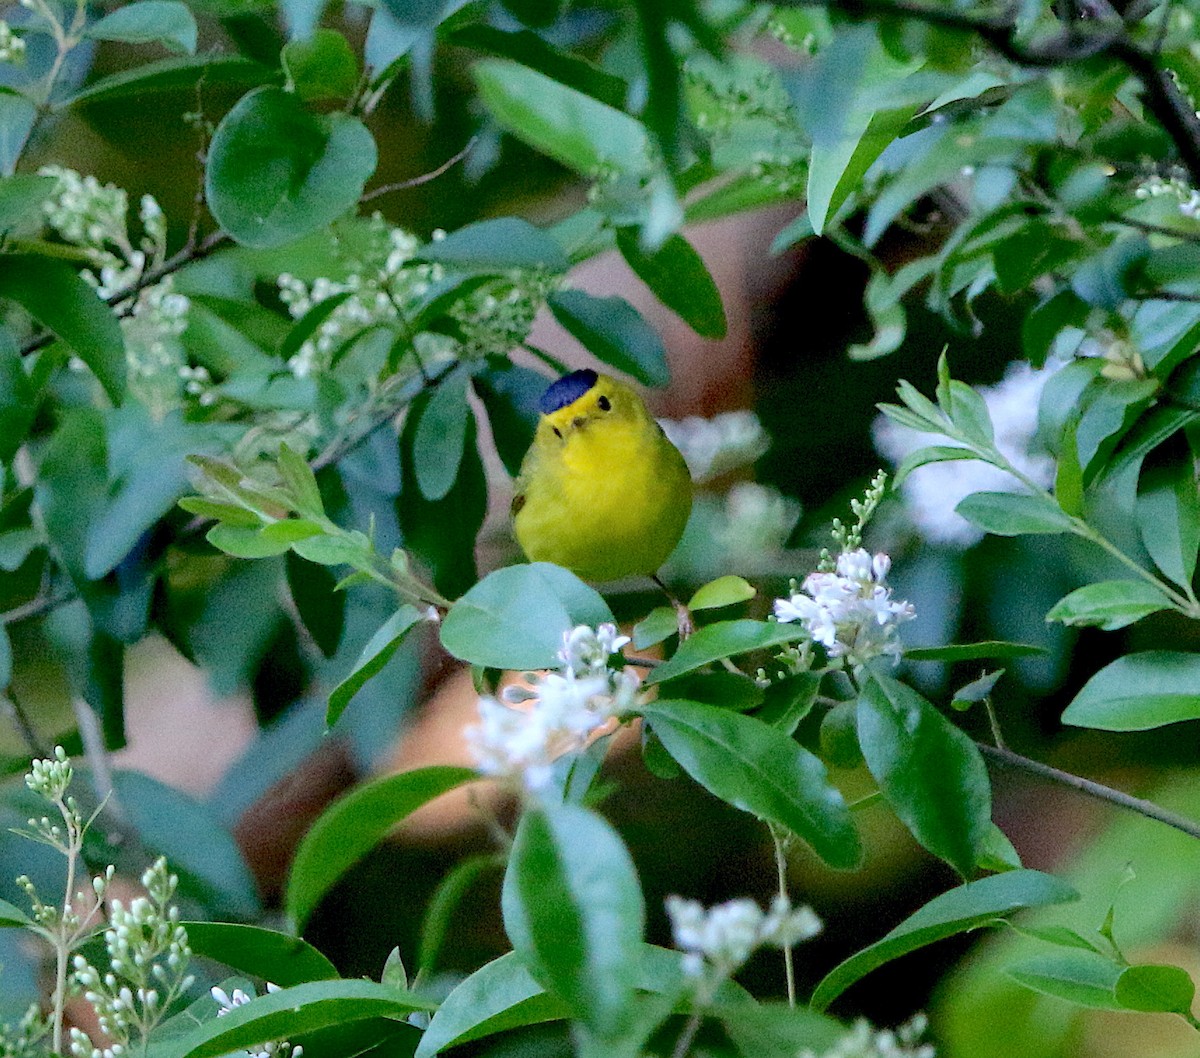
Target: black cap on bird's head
[567,390]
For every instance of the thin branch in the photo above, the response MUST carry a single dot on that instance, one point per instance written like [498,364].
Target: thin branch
[1008,759]
[1156,229]
[30,736]
[424,178]
[42,604]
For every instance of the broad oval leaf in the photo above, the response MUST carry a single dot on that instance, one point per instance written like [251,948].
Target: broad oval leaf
[440,437]
[276,957]
[724,591]
[1013,514]
[1139,691]
[574,912]
[1109,604]
[1168,515]
[991,649]
[613,331]
[54,295]
[1169,989]
[724,639]
[12,916]
[930,772]
[320,66]
[515,617]
[277,172]
[498,246]
[166,22]
[292,1012]
[965,908]
[679,279]
[760,769]
[355,824]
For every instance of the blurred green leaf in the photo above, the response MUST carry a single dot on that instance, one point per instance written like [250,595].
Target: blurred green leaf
[277,172]
[1168,515]
[1012,514]
[377,653]
[441,434]
[930,772]
[613,331]
[724,591]
[276,957]
[959,910]
[659,624]
[173,75]
[510,395]
[12,916]
[1086,978]
[166,22]
[320,67]
[322,609]
[291,1012]
[1139,691]
[496,247]
[353,825]
[515,618]
[21,197]
[679,279]
[574,912]
[724,639]
[54,295]
[757,768]
[973,651]
[18,405]
[445,902]
[17,116]
[1168,989]
[577,130]
[1109,604]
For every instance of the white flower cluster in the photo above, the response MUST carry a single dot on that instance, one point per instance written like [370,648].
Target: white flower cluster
[758,521]
[499,316]
[933,491]
[863,1041]
[12,47]
[712,447]
[148,957]
[95,216]
[723,937]
[273,1049]
[23,1038]
[849,610]
[1176,187]
[51,778]
[564,710]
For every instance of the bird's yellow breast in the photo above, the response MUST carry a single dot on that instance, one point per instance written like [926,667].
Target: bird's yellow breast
[606,496]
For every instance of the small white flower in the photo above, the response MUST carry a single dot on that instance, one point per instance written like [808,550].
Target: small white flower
[723,937]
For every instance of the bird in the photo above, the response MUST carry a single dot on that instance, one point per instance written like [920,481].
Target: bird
[601,491]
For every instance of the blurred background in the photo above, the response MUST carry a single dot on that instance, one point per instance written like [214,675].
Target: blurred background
[228,762]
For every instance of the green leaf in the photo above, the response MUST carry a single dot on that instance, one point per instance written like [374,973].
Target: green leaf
[577,130]
[930,454]
[1109,604]
[301,483]
[17,117]
[228,513]
[276,957]
[775,1029]
[6,658]
[321,607]
[12,916]
[959,910]
[165,22]
[54,295]
[515,617]
[1168,989]
[244,542]
[679,279]
[1013,514]
[973,651]
[377,653]
[1085,978]
[614,332]
[659,624]
[574,912]
[440,437]
[930,772]
[724,639]
[789,700]
[510,395]
[1139,691]
[728,690]
[1168,516]
[277,172]
[307,325]
[976,691]
[759,769]
[1068,477]
[320,67]
[355,824]
[291,1012]
[497,247]
[724,591]
[21,197]
[174,74]
[445,902]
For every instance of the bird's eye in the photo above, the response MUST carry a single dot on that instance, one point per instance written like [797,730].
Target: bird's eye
[557,432]
[603,403]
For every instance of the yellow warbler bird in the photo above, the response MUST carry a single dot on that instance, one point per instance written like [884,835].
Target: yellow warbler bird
[601,490]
